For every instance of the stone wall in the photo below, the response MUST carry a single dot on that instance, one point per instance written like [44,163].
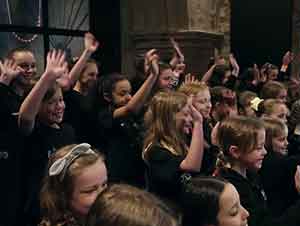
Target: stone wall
[199,26]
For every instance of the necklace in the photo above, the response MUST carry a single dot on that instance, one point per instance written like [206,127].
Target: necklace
[38,24]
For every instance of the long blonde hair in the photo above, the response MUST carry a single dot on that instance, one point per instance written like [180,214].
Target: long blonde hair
[160,120]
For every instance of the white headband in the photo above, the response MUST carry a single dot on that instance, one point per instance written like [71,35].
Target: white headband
[61,165]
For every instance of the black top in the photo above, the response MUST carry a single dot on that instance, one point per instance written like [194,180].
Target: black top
[11,145]
[121,140]
[210,153]
[254,200]
[294,144]
[80,114]
[42,142]
[164,173]
[281,191]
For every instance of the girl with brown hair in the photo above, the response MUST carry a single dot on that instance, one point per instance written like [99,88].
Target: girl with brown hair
[76,175]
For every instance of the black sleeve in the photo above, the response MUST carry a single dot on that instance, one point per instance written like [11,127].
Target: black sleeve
[282,76]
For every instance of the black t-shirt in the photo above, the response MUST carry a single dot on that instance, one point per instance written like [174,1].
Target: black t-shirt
[164,173]
[41,143]
[281,192]
[121,141]
[11,145]
[294,144]
[80,114]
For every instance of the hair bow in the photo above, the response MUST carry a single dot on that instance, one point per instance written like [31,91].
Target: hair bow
[61,165]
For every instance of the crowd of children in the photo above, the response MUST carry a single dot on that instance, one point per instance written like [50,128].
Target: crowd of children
[79,149]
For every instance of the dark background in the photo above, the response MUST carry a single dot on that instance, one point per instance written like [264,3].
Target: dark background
[260,30]
[105,24]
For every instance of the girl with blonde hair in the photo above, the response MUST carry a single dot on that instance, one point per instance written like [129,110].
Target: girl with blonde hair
[167,155]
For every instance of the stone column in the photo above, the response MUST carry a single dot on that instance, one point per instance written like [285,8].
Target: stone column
[199,26]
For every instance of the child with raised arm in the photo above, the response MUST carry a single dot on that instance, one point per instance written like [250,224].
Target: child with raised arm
[166,153]
[80,99]
[40,119]
[118,125]
[202,102]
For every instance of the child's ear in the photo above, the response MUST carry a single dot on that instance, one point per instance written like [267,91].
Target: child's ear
[107,97]
[234,152]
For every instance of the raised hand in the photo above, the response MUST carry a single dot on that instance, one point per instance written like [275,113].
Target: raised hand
[233,62]
[256,74]
[151,62]
[56,64]
[188,79]
[177,49]
[9,70]
[263,74]
[90,42]
[287,58]
[297,179]
[195,114]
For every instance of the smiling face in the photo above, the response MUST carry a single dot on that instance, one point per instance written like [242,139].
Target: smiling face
[253,159]
[52,110]
[280,112]
[184,120]
[87,185]
[121,94]
[202,103]
[280,143]
[25,60]
[231,212]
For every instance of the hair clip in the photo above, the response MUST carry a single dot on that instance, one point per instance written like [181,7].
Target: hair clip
[255,103]
[61,165]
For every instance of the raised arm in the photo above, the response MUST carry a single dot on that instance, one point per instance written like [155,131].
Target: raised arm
[9,71]
[193,159]
[234,64]
[178,57]
[208,74]
[56,66]
[90,46]
[286,61]
[140,97]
